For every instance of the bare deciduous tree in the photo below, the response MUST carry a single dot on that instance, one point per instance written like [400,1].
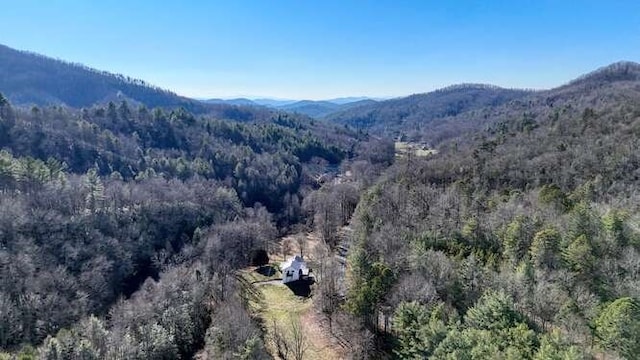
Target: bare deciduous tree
[299,342]
[301,240]
[291,344]
[327,272]
[280,341]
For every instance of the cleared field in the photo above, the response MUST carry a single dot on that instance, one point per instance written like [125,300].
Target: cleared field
[404,148]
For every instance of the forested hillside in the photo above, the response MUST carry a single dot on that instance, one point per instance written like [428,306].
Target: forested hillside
[415,113]
[520,240]
[464,110]
[120,226]
[136,142]
[31,79]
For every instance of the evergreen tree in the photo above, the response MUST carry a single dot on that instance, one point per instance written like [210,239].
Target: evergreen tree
[618,327]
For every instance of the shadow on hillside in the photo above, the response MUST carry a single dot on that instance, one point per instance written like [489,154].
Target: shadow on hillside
[301,287]
[266,270]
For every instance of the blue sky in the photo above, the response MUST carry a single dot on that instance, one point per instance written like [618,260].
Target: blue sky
[325,49]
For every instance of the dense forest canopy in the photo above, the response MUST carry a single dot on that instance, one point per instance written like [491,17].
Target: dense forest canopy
[98,200]
[520,241]
[262,160]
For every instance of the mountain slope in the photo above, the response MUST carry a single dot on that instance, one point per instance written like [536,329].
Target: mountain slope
[31,79]
[393,117]
[616,72]
[357,103]
[530,204]
[607,88]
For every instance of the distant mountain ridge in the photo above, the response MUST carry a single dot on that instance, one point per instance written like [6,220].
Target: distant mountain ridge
[273,102]
[455,112]
[238,101]
[323,108]
[349,99]
[313,108]
[27,78]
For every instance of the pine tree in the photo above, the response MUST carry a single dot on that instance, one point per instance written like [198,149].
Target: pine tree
[95,189]
[618,327]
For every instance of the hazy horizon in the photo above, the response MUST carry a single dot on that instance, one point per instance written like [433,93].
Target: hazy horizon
[275,98]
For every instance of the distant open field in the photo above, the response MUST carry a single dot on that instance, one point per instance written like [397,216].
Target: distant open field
[404,148]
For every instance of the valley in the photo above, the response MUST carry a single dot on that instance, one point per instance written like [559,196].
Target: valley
[469,222]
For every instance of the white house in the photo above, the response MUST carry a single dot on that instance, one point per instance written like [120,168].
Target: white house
[294,269]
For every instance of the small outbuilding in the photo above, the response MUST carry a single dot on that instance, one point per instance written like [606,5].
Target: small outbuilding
[294,269]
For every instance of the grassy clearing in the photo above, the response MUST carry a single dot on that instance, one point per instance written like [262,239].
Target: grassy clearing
[281,305]
[278,304]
